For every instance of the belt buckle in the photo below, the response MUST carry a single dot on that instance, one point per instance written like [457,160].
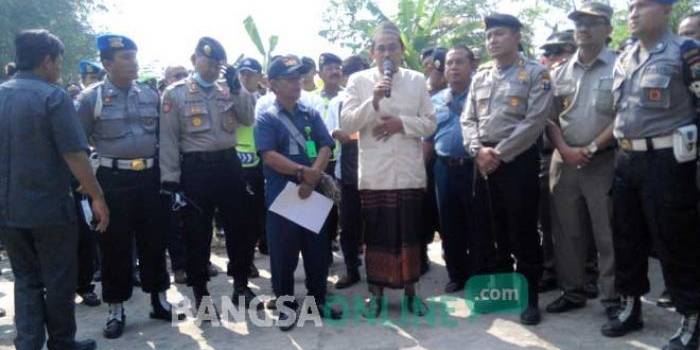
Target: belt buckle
[138,164]
[625,144]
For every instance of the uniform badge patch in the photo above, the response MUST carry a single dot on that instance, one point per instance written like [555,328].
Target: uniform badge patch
[546,82]
[197,121]
[514,102]
[654,95]
[522,75]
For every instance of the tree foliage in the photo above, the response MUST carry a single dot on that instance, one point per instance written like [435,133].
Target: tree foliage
[423,23]
[68,19]
[254,35]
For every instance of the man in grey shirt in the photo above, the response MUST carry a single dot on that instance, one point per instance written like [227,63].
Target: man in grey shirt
[507,108]
[582,165]
[41,144]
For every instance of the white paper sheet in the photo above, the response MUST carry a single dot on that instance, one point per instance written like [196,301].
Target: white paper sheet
[309,213]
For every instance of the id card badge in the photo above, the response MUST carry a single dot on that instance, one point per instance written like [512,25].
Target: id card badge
[685,143]
[310,144]
[311,149]
[87,212]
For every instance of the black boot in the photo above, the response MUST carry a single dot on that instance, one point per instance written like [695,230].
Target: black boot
[162,310]
[114,328]
[628,319]
[686,338]
[248,297]
[199,294]
[87,344]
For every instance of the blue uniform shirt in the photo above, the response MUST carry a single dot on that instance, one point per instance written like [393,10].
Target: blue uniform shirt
[272,135]
[38,124]
[448,135]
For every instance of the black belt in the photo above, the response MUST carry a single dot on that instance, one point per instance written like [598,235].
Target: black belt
[454,161]
[210,156]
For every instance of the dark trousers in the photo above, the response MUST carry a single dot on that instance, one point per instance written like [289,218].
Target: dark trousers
[135,213]
[506,212]
[331,225]
[255,190]
[213,181]
[286,240]
[351,226]
[545,219]
[176,244]
[44,262]
[453,187]
[87,251]
[654,204]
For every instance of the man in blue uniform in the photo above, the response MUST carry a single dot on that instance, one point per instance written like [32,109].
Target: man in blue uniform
[287,158]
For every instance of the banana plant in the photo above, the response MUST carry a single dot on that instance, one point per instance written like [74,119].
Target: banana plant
[254,35]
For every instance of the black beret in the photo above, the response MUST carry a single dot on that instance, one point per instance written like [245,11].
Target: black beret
[209,47]
[502,20]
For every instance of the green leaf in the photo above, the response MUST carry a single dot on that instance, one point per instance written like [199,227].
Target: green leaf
[272,43]
[252,30]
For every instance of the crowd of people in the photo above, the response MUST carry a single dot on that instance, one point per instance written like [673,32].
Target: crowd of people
[571,171]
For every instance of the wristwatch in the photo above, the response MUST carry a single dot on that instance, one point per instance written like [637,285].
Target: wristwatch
[592,148]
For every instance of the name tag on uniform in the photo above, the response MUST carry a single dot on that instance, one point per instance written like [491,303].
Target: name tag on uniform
[311,149]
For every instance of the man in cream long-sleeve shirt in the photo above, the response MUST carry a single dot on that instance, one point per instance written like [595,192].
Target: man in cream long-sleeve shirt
[392,176]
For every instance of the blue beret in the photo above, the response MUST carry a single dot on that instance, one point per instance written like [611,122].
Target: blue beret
[502,20]
[88,67]
[210,47]
[250,64]
[113,42]
[328,58]
[666,2]
[286,65]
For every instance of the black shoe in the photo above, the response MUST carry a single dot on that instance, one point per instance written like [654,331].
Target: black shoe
[416,306]
[3,313]
[454,286]
[665,300]
[87,344]
[531,316]
[563,304]
[686,338]
[612,311]
[373,308]
[248,297]
[286,322]
[254,273]
[348,280]
[591,290]
[161,313]
[114,327]
[547,285]
[628,319]
[330,313]
[271,304]
[90,299]
[213,272]
[180,276]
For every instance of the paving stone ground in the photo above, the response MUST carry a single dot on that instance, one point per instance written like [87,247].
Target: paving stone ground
[578,329]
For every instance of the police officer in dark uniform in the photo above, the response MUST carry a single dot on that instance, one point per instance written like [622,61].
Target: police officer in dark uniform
[90,73]
[285,159]
[656,90]
[509,102]
[198,158]
[120,118]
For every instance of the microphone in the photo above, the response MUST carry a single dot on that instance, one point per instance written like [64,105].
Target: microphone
[388,68]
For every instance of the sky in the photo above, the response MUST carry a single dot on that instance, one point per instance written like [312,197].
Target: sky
[167,31]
